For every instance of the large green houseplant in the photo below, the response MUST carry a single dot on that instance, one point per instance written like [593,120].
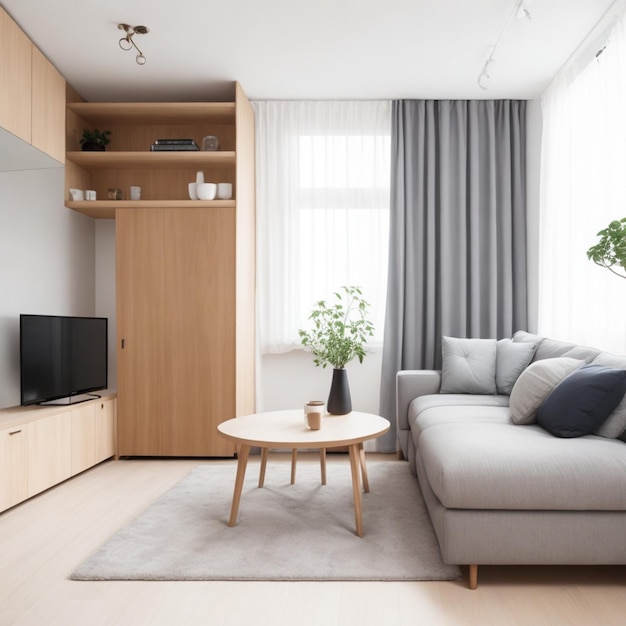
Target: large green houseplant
[338,333]
[610,251]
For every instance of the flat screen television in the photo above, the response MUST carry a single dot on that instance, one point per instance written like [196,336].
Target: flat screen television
[62,357]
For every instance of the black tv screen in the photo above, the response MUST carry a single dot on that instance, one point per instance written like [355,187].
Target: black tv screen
[61,357]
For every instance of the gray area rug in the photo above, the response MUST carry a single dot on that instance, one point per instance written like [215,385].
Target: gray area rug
[284,532]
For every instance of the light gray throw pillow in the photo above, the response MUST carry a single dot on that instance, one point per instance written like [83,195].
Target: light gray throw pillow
[512,358]
[535,384]
[469,366]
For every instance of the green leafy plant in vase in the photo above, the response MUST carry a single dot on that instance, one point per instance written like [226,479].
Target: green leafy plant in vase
[610,251]
[338,333]
[94,140]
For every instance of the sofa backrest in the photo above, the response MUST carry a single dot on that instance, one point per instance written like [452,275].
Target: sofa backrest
[551,348]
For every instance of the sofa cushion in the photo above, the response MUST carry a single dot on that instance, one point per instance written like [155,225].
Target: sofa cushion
[495,466]
[468,365]
[535,384]
[615,425]
[583,401]
[456,407]
[512,358]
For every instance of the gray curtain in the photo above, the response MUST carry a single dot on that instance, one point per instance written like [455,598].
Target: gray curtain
[457,263]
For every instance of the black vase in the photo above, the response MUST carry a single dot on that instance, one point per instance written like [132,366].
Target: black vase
[339,402]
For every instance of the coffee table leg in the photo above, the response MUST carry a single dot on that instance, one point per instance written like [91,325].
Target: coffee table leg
[241,474]
[323,464]
[264,452]
[294,460]
[366,482]
[356,487]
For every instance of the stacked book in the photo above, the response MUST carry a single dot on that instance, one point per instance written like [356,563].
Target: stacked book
[174,145]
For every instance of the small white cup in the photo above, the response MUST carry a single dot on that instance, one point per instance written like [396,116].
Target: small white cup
[192,191]
[77,195]
[206,191]
[224,191]
[135,193]
[90,194]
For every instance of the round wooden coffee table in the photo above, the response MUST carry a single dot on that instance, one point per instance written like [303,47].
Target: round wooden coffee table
[287,429]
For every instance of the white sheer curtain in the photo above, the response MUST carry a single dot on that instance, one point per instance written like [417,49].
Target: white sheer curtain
[322,210]
[583,189]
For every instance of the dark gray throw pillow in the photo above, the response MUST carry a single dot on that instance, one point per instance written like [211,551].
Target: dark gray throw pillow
[582,401]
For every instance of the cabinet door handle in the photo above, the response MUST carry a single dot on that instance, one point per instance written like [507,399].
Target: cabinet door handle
[15,432]
[123,341]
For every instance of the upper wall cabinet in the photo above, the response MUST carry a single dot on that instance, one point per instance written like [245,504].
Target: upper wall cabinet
[15,78]
[32,93]
[48,108]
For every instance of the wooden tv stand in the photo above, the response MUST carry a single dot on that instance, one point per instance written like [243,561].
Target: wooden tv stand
[43,446]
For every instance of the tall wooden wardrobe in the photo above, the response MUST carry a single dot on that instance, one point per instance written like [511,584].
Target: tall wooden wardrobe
[185,283]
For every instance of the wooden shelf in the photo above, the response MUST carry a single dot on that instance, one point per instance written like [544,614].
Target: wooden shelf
[105,209]
[153,112]
[150,160]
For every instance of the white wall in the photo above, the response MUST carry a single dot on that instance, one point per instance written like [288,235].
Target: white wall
[47,261]
[105,288]
[289,380]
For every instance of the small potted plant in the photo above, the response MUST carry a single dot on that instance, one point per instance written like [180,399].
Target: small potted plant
[94,140]
[339,333]
[610,251]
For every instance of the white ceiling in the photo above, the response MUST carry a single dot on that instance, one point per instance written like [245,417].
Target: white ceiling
[297,49]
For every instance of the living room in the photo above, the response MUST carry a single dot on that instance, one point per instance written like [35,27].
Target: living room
[62,262]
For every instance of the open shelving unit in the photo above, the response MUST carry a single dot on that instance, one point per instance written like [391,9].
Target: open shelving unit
[128,160]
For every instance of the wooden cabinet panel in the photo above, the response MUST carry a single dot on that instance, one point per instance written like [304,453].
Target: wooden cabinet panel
[49,452]
[15,78]
[83,438]
[48,107]
[105,429]
[176,319]
[13,469]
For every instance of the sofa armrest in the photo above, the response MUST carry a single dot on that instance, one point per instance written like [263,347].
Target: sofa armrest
[409,385]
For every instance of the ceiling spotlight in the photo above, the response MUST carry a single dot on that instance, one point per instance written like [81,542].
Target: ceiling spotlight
[127,42]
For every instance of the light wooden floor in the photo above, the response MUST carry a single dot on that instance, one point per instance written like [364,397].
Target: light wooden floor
[42,540]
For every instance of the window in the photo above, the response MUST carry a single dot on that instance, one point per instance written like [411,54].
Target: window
[583,164]
[323,171]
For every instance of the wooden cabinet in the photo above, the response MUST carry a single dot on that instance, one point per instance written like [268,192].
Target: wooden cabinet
[83,438]
[48,108]
[43,446]
[93,434]
[105,429]
[15,78]
[185,270]
[176,323]
[13,468]
[32,92]
[49,452]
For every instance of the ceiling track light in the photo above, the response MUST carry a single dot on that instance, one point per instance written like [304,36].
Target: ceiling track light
[520,11]
[127,42]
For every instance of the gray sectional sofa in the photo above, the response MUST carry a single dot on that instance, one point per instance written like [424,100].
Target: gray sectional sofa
[501,488]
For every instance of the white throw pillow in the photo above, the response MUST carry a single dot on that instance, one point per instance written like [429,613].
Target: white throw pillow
[535,384]
[469,366]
